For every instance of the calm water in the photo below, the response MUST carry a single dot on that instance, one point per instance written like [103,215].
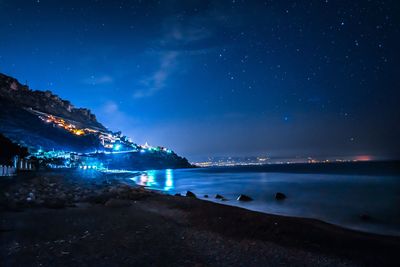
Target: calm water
[336,198]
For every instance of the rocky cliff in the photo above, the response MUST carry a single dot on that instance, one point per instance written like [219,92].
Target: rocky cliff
[27,130]
[45,101]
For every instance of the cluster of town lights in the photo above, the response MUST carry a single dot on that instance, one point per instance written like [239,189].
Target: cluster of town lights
[65,125]
[114,142]
[88,167]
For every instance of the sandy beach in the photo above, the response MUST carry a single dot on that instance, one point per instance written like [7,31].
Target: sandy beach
[69,221]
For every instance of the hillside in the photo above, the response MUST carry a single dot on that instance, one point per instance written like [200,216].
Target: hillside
[45,101]
[29,131]
[41,121]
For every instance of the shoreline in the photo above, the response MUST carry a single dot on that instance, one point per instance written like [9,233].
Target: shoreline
[359,217]
[343,226]
[163,220]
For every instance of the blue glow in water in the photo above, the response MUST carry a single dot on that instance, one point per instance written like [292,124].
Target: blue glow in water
[158,180]
[151,182]
[169,180]
[334,198]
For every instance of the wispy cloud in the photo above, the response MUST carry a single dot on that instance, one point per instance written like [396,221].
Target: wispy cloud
[96,80]
[156,81]
[182,36]
[115,118]
[179,39]
[110,108]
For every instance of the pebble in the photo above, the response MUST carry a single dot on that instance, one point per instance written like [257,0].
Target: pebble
[60,192]
[190,194]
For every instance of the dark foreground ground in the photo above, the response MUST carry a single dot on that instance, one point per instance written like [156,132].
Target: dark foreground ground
[60,219]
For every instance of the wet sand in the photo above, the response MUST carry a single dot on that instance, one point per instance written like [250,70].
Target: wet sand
[114,225]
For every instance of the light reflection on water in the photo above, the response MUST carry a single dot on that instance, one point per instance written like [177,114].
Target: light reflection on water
[338,199]
[158,180]
[169,180]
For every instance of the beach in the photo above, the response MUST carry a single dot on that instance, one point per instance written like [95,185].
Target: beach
[105,222]
[362,196]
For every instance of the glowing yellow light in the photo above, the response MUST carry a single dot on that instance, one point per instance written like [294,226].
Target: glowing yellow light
[78,132]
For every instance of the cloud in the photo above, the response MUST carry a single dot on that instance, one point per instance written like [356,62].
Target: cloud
[184,35]
[104,79]
[116,119]
[156,81]
[179,39]
[110,107]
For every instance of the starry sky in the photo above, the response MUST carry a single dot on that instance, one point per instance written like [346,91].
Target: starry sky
[214,78]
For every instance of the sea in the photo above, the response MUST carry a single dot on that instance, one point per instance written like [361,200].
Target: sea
[359,196]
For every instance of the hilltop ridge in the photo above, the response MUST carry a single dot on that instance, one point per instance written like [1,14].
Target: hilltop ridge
[45,101]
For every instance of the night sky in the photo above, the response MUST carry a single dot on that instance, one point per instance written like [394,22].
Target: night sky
[206,78]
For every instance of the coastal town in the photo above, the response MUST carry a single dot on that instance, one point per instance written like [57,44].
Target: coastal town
[110,141]
[199,133]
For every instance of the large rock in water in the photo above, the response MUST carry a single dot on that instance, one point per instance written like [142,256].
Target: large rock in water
[217,196]
[244,198]
[280,196]
[190,194]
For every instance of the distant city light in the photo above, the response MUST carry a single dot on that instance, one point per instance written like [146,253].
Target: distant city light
[363,158]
